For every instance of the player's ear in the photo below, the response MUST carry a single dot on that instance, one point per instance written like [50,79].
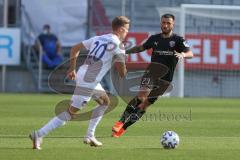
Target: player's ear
[121,29]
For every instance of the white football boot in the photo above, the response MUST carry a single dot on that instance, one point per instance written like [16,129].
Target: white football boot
[37,141]
[92,141]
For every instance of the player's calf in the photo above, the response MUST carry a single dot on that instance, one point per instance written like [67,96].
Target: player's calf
[132,107]
[133,118]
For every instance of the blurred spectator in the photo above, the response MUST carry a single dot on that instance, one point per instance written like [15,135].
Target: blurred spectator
[51,48]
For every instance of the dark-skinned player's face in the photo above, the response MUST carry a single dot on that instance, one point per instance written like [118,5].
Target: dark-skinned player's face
[167,25]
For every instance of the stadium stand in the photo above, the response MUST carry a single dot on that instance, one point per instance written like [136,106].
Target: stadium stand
[144,17]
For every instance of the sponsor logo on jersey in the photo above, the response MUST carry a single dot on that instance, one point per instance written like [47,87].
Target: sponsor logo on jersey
[164,53]
[186,44]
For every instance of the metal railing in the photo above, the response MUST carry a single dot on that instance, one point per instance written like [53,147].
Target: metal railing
[40,68]
[29,52]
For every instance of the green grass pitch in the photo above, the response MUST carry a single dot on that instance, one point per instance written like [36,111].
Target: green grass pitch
[209,129]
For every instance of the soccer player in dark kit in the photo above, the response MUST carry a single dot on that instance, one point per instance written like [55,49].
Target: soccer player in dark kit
[167,48]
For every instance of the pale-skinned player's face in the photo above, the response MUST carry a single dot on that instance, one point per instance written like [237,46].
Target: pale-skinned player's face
[123,31]
[167,25]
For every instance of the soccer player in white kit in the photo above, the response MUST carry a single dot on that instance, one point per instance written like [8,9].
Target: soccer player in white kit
[103,51]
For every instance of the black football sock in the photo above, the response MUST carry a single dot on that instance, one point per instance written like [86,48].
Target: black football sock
[132,107]
[133,118]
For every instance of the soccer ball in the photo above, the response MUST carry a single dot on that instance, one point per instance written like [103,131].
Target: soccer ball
[169,140]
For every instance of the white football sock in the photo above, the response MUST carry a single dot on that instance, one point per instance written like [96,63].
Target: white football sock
[96,117]
[54,123]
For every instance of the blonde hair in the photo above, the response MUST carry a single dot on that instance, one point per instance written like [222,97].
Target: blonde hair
[119,21]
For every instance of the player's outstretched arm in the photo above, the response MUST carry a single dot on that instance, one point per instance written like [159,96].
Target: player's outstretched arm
[188,54]
[135,49]
[182,55]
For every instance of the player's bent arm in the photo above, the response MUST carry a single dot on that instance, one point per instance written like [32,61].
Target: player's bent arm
[135,49]
[121,68]
[119,63]
[188,54]
[75,51]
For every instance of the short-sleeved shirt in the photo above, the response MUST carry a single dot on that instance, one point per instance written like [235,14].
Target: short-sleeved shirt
[49,43]
[163,51]
[102,52]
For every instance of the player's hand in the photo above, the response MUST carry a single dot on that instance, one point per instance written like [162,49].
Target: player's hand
[71,74]
[179,55]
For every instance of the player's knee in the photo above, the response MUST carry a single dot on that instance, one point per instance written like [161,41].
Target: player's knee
[106,101]
[73,111]
[103,100]
[142,98]
[78,102]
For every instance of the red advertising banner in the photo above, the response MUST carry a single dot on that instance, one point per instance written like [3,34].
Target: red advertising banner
[211,51]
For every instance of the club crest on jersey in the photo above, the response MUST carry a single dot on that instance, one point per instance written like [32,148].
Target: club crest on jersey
[172,43]
[186,44]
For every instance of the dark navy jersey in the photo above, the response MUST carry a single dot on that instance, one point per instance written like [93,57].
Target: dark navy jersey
[163,51]
[49,43]
[45,38]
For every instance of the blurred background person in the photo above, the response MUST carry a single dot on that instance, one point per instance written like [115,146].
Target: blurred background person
[51,47]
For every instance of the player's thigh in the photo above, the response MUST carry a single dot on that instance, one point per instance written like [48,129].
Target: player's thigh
[83,94]
[79,101]
[146,85]
[159,89]
[83,90]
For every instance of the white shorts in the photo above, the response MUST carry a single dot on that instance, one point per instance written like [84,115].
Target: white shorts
[84,91]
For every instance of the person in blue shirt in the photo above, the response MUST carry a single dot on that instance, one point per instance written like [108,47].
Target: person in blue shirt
[51,46]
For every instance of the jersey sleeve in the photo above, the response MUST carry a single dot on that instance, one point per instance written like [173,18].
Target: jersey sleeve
[149,43]
[87,43]
[183,45]
[119,53]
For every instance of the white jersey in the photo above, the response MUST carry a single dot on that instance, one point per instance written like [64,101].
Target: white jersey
[102,51]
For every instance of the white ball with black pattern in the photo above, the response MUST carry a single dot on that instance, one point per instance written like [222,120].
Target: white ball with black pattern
[170,140]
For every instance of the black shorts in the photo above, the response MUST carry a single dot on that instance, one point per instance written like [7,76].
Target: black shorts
[152,79]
